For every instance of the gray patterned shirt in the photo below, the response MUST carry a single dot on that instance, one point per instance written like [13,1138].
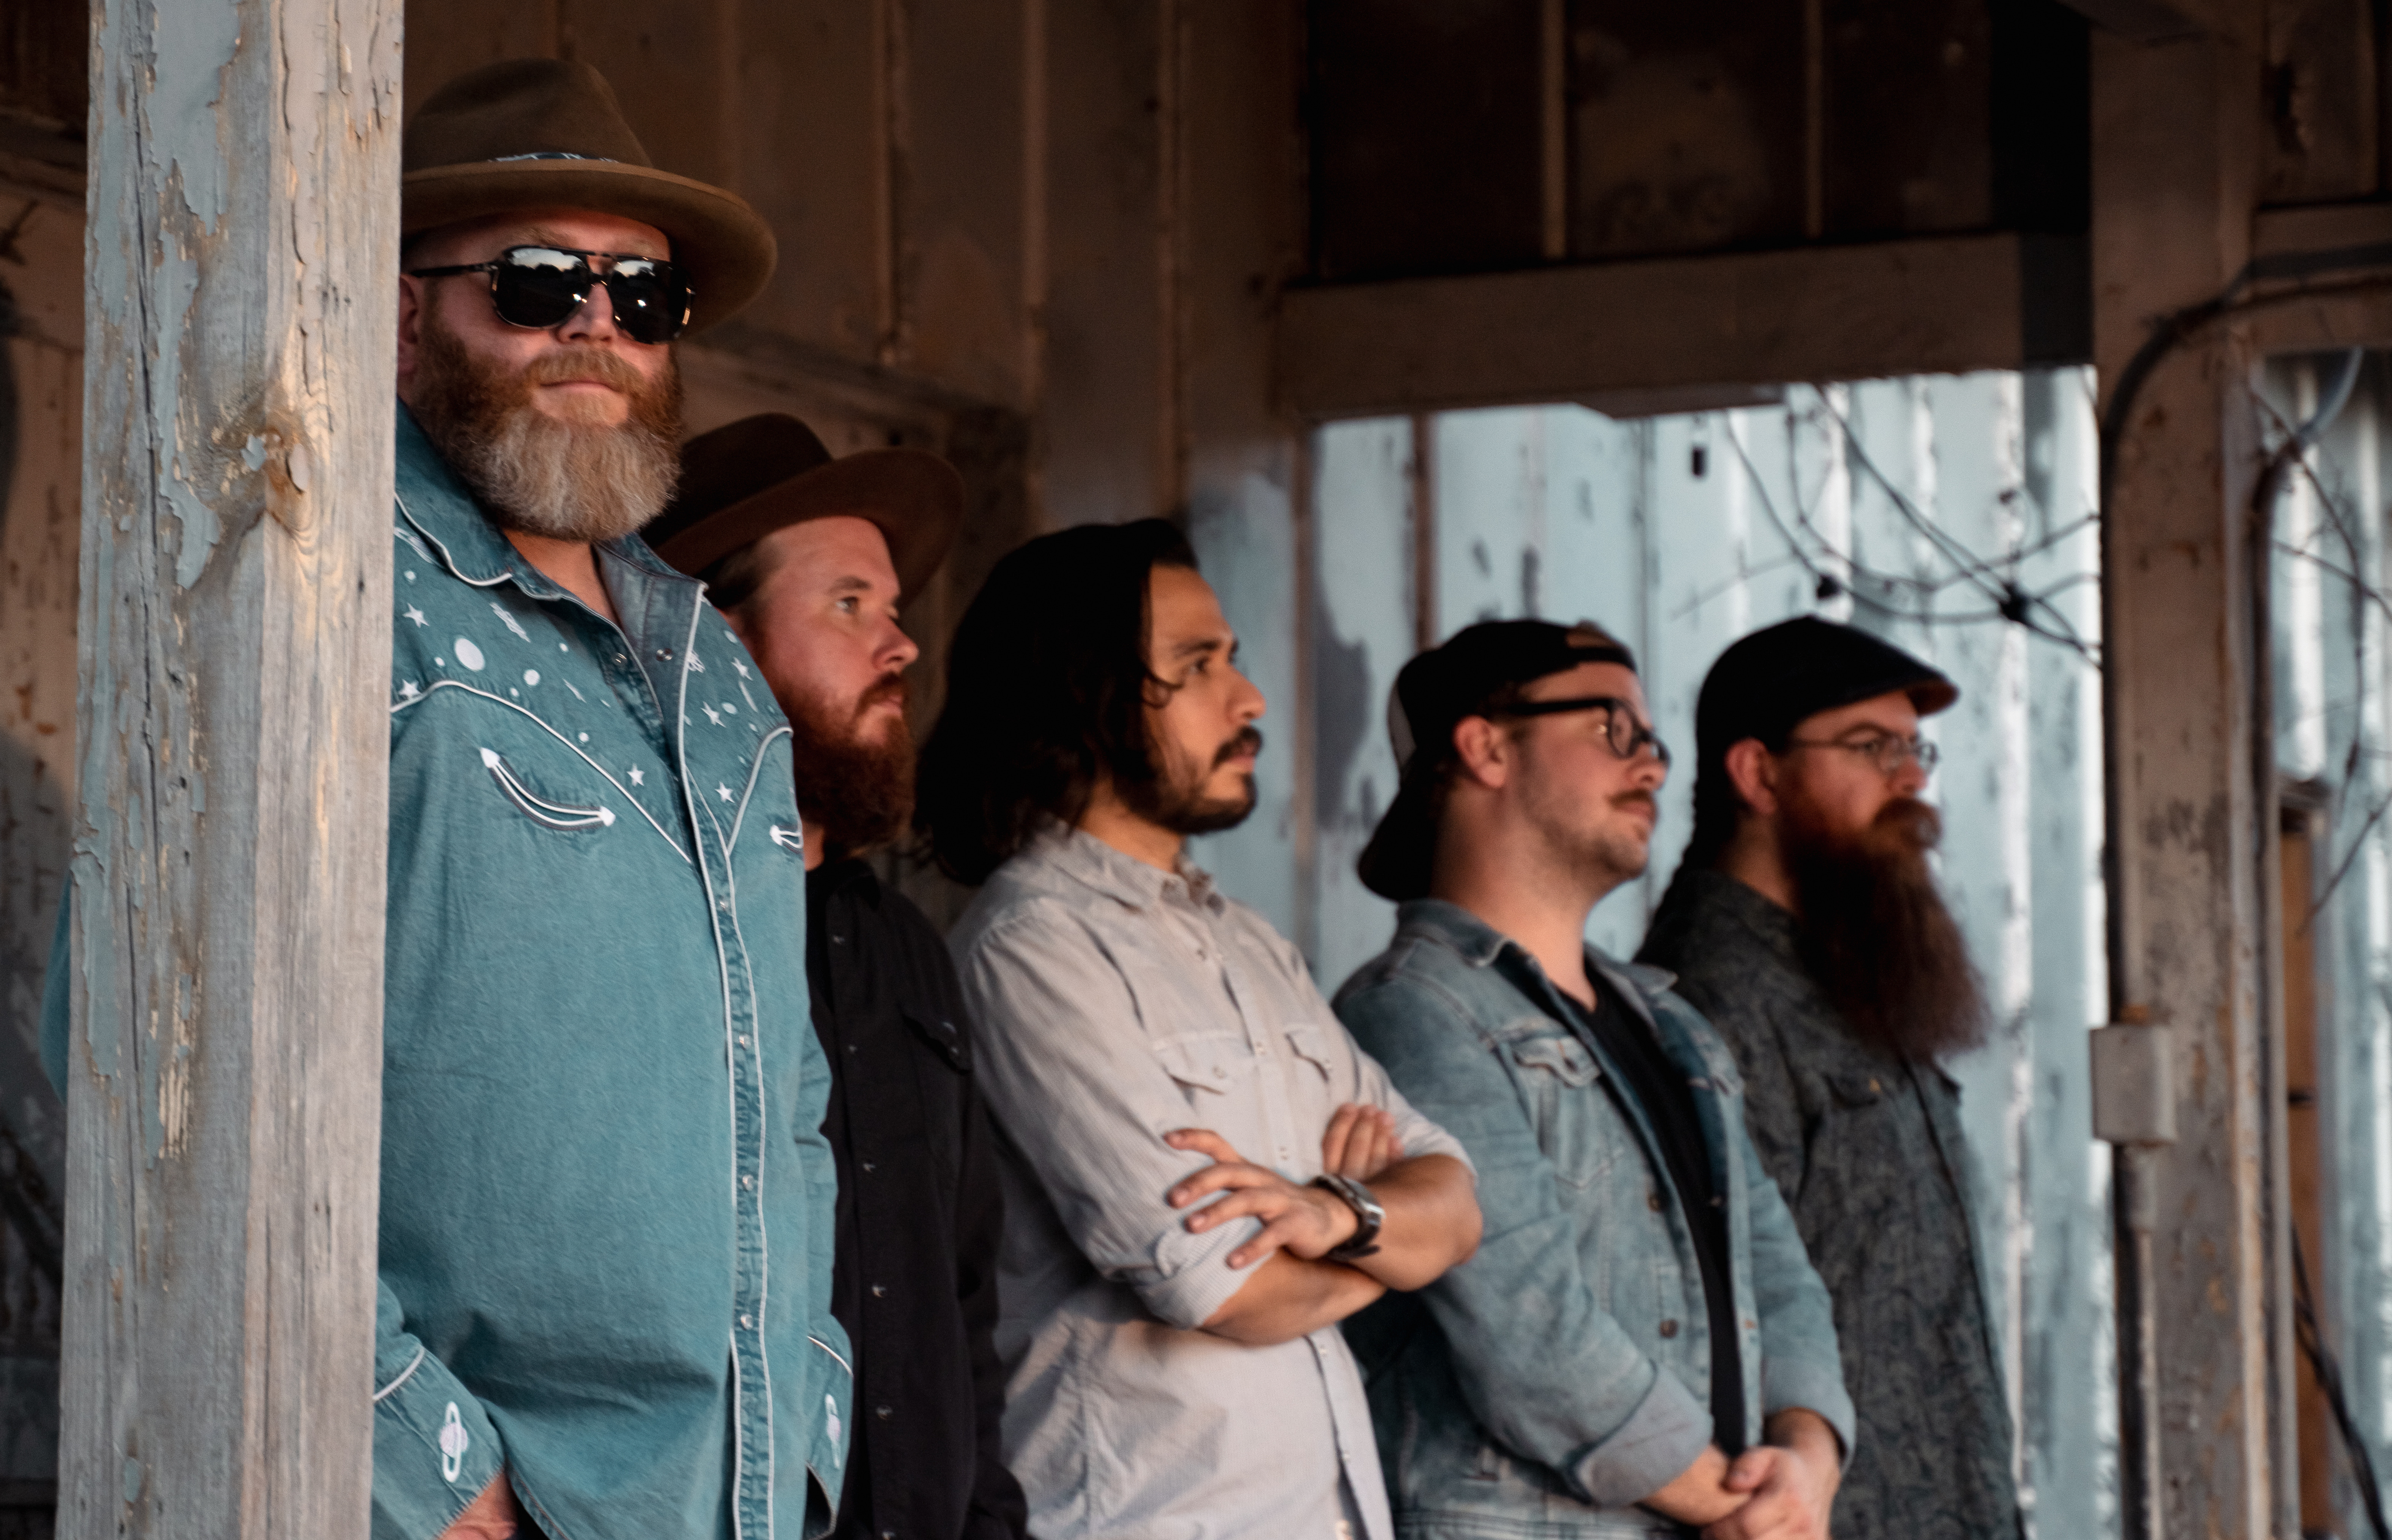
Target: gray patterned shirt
[1869,1151]
[1116,1002]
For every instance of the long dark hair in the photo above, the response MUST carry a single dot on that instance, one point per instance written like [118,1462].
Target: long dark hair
[1047,690]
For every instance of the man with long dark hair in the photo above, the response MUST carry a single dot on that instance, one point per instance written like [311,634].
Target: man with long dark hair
[1203,1175]
[1805,923]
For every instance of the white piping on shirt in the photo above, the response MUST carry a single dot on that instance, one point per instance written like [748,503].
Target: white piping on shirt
[405,1375]
[459,684]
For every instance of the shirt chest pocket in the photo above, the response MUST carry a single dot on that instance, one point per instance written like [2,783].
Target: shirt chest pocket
[1558,1078]
[1205,1064]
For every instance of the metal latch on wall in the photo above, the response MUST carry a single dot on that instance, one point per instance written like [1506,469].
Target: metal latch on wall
[2133,1085]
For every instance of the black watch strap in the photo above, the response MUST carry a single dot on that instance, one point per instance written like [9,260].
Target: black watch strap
[1369,1217]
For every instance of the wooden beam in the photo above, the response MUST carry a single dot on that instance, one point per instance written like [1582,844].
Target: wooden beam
[2165,20]
[224,1071]
[1752,318]
[2204,1331]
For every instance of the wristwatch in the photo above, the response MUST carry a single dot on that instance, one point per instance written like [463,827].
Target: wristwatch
[1368,1217]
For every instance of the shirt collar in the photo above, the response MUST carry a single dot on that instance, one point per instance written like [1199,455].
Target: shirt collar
[1124,879]
[1481,945]
[845,875]
[1743,904]
[443,520]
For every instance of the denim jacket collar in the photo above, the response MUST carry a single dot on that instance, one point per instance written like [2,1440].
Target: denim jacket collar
[1481,945]
[444,517]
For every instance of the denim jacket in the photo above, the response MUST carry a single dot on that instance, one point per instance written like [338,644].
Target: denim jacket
[1550,1383]
[606,1202]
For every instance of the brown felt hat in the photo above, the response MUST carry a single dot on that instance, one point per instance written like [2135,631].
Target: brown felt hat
[749,478]
[548,134]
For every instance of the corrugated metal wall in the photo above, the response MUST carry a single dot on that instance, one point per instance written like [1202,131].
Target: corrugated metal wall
[1922,509]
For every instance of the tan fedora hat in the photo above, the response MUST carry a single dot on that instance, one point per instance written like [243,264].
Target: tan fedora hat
[746,479]
[548,134]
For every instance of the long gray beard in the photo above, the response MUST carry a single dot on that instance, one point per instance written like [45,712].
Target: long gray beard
[565,480]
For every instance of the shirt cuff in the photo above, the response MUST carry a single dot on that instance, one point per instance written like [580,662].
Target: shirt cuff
[434,1450]
[1668,1431]
[1190,1280]
[1787,1386]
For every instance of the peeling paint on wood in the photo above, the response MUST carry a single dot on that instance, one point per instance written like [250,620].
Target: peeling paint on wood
[233,648]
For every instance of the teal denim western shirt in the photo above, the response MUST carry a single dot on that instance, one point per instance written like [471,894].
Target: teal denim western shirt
[606,1203]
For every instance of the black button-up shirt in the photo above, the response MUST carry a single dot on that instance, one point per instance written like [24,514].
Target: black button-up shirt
[1869,1151]
[918,1220]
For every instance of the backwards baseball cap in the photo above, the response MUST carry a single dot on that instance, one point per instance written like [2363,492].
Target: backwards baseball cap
[1770,682]
[1472,671]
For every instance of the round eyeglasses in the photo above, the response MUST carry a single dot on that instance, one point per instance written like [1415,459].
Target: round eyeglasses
[1884,751]
[538,287]
[1622,733]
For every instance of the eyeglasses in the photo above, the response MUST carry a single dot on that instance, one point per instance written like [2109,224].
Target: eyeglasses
[538,287]
[1884,751]
[1622,733]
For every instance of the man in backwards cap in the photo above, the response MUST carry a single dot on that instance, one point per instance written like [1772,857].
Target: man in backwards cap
[1805,923]
[1640,1346]
[807,557]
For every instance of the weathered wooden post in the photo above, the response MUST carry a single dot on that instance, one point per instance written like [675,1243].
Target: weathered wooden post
[225,1069]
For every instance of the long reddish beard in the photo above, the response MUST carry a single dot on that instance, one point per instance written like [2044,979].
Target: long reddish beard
[859,790]
[568,480]
[1879,938]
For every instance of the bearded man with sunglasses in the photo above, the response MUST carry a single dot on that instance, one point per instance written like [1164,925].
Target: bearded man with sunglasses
[606,1203]
[1640,1346]
[1806,922]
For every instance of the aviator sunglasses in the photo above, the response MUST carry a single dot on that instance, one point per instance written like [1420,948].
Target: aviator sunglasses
[538,287]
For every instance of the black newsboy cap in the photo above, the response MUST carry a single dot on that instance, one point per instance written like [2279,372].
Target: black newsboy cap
[1769,681]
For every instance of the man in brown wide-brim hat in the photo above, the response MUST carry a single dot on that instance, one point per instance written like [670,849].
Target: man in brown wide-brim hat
[606,1222]
[808,558]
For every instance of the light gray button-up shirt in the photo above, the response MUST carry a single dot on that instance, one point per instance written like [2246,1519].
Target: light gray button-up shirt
[1117,1002]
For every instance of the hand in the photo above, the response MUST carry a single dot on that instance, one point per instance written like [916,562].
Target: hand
[492,1516]
[1790,1491]
[1361,1142]
[1308,1222]
[1699,1494]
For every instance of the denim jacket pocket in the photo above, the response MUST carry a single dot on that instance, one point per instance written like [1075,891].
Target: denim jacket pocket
[1557,1075]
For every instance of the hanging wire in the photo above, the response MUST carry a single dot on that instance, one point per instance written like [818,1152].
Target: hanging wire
[1835,571]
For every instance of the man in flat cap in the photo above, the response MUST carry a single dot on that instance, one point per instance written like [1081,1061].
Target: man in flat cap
[1806,922]
[606,1205]
[808,558]
[1640,1347]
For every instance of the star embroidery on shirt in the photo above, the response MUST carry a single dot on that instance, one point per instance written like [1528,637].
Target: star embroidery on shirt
[697,664]
[408,690]
[722,791]
[417,616]
[639,777]
[741,667]
[711,715]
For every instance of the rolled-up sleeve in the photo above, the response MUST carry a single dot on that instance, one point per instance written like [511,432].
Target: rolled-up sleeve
[1073,1077]
[1541,1365]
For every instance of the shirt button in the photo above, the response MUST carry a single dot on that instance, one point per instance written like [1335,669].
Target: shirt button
[883,1413]
[1653,1200]
[870,1166]
[1669,1328]
[746,1323]
[664,654]
[880,1291]
[743,1039]
[620,658]
[748,1182]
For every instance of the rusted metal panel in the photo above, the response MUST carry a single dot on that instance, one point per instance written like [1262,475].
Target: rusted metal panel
[234,662]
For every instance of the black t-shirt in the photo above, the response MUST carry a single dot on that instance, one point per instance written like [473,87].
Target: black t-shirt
[1660,1087]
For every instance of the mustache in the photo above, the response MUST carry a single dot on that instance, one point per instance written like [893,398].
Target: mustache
[889,689]
[1248,741]
[581,361]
